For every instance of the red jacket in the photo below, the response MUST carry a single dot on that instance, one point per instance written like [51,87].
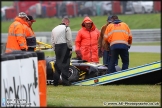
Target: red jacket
[87,42]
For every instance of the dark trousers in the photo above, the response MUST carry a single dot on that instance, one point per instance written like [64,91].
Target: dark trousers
[62,63]
[124,55]
[30,49]
[106,58]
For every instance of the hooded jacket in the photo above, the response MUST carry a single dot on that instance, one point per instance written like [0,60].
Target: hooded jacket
[16,36]
[87,42]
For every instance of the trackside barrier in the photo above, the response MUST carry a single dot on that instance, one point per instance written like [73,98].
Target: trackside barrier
[20,80]
[42,76]
[126,74]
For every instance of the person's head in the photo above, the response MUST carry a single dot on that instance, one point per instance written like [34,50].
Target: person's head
[30,20]
[115,17]
[66,21]
[23,16]
[109,19]
[88,24]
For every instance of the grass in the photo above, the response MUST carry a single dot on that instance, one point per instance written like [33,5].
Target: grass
[83,96]
[6,3]
[94,96]
[135,21]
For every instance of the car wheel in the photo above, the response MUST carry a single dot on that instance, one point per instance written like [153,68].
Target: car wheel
[73,74]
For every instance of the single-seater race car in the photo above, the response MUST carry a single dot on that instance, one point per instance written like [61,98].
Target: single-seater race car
[78,70]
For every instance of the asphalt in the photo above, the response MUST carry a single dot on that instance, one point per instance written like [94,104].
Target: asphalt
[151,49]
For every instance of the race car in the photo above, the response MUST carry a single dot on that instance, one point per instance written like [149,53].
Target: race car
[78,70]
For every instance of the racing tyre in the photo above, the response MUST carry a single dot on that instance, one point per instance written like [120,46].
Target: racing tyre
[73,74]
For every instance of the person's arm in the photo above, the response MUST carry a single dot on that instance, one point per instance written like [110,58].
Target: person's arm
[52,41]
[100,38]
[69,38]
[107,34]
[78,41]
[19,33]
[130,37]
[78,44]
[100,52]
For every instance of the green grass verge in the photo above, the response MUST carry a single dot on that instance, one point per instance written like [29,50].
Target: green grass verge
[6,3]
[82,96]
[135,21]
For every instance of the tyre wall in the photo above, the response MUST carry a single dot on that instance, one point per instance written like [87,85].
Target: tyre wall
[20,80]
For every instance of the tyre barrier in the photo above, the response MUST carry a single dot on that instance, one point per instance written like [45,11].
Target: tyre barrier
[23,79]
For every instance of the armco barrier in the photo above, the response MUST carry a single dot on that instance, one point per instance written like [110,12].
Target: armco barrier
[139,35]
[20,80]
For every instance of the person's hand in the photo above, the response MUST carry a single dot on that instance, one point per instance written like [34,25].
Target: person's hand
[70,52]
[78,54]
[100,52]
[128,47]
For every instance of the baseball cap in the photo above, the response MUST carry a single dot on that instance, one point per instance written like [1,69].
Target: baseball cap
[31,18]
[109,18]
[22,14]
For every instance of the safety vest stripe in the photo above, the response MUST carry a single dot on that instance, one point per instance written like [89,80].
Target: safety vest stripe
[115,31]
[118,41]
[22,44]
[12,34]
[20,34]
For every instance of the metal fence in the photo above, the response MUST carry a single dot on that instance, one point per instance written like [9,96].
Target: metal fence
[141,35]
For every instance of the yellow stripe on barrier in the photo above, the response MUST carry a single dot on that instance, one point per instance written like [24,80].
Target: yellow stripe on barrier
[122,74]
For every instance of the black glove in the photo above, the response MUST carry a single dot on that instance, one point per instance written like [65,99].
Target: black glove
[78,54]
[100,53]
[23,49]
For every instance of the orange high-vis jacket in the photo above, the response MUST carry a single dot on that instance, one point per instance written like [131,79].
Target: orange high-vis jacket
[87,42]
[118,33]
[30,36]
[16,36]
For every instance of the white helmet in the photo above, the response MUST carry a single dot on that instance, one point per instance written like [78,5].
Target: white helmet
[22,14]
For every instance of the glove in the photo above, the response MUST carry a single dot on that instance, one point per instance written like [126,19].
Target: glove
[78,54]
[100,52]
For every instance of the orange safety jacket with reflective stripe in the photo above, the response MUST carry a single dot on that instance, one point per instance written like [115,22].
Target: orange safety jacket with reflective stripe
[118,33]
[30,36]
[87,42]
[16,37]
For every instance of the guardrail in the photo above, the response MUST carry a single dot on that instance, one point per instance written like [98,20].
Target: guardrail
[141,35]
